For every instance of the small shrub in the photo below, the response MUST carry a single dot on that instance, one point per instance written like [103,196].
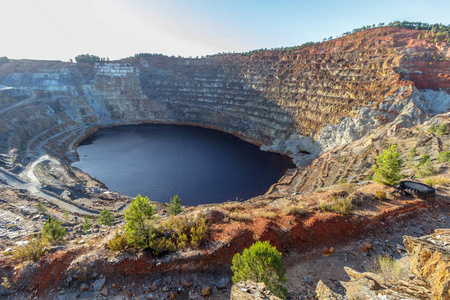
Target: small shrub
[443,181]
[432,128]
[179,233]
[444,157]
[240,217]
[442,129]
[348,187]
[425,169]
[271,215]
[40,208]
[53,230]
[342,181]
[294,210]
[411,155]
[66,216]
[423,159]
[174,206]
[387,170]
[342,206]
[429,182]
[118,242]
[87,224]
[106,218]
[33,251]
[368,178]
[6,283]
[380,195]
[261,263]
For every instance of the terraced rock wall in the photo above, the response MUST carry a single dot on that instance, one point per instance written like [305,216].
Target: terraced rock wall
[297,103]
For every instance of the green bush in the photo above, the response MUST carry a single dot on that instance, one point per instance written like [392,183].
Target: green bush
[444,156]
[441,130]
[32,251]
[106,218]
[179,233]
[87,224]
[426,169]
[411,155]
[261,263]
[139,217]
[40,208]
[432,128]
[174,206]
[118,242]
[53,230]
[388,166]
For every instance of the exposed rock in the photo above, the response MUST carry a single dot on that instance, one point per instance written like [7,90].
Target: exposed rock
[249,290]
[104,292]
[84,287]
[223,283]
[153,287]
[323,292]
[206,291]
[98,284]
[429,262]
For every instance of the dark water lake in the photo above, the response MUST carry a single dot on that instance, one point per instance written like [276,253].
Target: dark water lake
[200,165]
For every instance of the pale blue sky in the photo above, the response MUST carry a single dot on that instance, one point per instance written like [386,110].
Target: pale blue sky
[61,29]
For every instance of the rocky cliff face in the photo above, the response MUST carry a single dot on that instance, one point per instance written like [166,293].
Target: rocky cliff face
[430,279]
[298,103]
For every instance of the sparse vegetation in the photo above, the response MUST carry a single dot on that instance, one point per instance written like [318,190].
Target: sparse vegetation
[342,206]
[5,283]
[240,217]
[40,208]
[348,187]
[106,218]
[66,216]
[368,178]
[87,224]
[266,214]
[432,128]
[387,170]
[174,206]
[33,250]
[261,263]
[444,157]
[429,181]
[411,155]
[442,129]
[390,269]
[425,167]
[294,210]
[88,58]
[53,230]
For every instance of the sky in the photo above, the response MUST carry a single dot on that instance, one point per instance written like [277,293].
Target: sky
[62,29]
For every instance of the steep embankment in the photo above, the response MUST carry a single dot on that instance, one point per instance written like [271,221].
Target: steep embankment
[305,101]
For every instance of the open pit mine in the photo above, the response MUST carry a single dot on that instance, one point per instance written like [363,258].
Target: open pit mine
[332,107]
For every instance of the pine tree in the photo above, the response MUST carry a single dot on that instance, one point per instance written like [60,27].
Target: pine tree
[387,170]
[139,217]
[174,206]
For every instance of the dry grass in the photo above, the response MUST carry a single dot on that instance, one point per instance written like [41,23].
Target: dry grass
[294,210]
[267,214]
[342,206]
[347,187]
[240,217]
[391,270]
